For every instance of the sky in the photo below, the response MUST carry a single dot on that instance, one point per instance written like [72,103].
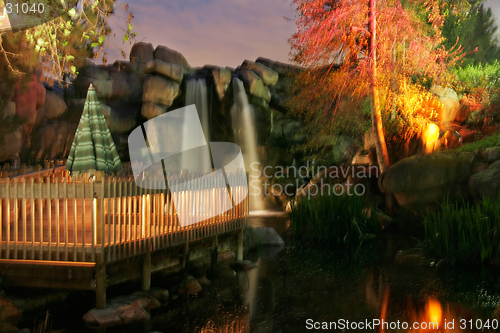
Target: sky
[213,32]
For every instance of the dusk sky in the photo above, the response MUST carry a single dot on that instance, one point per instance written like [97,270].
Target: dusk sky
[215,32]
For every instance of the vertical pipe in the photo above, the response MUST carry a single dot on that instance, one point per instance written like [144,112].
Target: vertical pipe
[23,202]
[16,216]
[136,212]
[82,184]
[32,219]
[40,215]
[57,219]
[7,252]
[108,197]
[75,225]
[66,231]
[92,221]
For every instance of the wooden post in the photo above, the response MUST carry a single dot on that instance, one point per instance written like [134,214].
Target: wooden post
[100,277]
[239,251]
[146,270]
[215,253]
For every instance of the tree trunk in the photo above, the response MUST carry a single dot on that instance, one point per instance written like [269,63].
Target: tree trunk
[381,147]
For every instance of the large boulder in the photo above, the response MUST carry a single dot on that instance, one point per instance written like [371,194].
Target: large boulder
[269,76]
[450,101]
[280,67]
[57,136]
[141,52]
[10,145]
[118,122]
[268,236]
[428,179]
[255,85]
[26,99]
[159,90]
[486,183]
[54,106]
[151,110]
[166,69]
[165,54]
[40,95]
[491,154]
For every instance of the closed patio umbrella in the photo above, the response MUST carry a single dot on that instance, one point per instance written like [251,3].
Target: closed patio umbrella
[93,148]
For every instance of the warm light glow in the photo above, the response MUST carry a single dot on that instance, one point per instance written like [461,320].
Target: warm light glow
[434,311]
[430,136]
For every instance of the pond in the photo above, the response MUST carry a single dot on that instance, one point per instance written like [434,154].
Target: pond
[386,286]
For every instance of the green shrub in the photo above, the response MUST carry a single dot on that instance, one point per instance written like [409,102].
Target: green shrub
[333,221]
[485,76]
[465,232]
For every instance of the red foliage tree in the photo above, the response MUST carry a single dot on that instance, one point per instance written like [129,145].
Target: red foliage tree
[352,47]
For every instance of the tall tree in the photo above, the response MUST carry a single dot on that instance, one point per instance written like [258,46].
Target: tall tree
[476,30]
[334,40]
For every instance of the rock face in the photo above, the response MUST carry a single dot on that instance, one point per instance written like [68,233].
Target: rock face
[160,91]
[54,106]
[255,85]
[428,179]
[451,103]
[165,54]
[222,78]
[487,182]
[269,76]
[166,69]
[269,236]
[141,53]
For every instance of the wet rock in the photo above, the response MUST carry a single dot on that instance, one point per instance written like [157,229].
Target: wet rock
[226,257]
[222,78]
[254,85]
[428,179]
[204,281]
[162,295]
[54,106]
[243,265]
[132,314]
[269,76]
[160,91]
[165,54]
[165,69]
[269,236]
[192,287]
[102,318]
[146,303]
[491,154]
[486,182]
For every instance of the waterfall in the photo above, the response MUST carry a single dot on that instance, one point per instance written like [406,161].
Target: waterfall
[245,136]
[196,93]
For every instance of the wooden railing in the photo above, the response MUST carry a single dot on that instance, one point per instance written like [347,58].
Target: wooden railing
[69,219]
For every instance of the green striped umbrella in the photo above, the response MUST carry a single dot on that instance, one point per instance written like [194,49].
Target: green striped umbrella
[93,148]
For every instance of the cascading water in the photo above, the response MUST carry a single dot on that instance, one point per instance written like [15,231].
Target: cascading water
[245,137]
[196,93]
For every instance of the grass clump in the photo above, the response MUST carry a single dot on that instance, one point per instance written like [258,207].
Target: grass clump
[489,141]
[465,232]
[332,221]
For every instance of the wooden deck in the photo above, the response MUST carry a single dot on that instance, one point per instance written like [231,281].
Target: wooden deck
[69,222]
